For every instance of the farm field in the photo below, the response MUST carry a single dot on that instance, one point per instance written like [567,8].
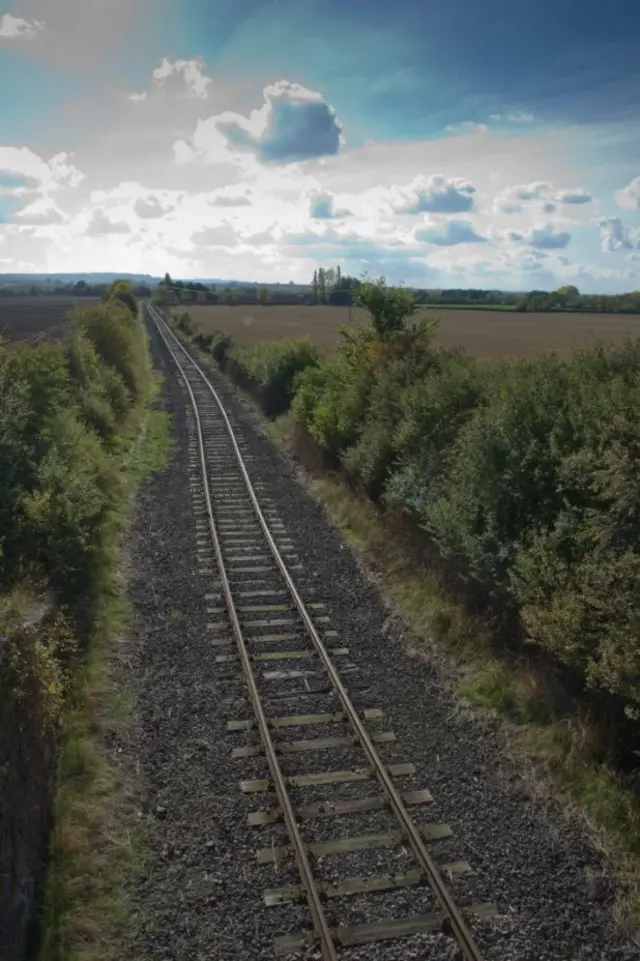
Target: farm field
[484,333]
[28,318]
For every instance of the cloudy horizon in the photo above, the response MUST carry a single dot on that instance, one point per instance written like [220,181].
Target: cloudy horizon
[478,146]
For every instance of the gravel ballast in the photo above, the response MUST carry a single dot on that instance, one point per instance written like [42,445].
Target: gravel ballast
[202,892]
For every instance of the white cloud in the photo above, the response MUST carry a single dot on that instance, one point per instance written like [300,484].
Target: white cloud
[42,212]
[150,207]
[540,194]
[466,127]
[629,196]
[293,124]
[48,176]
[183,74]
[542,236]
[99,225]
[574,195]
[13,28]
[448,233]
[615,236]
[221,236]
[436,194]
[230,197]
[138,97]
[513,117]
[321,206]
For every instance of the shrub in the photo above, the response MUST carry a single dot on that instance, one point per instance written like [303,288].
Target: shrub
[273,367]
[526,474]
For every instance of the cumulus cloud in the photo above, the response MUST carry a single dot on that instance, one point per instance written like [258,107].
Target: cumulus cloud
[435,194]
[615,236]
[294,124]
[47,176]
[149,208]
[629,196]
[41,213]
[541,236]
[183,74]
[14,28]
[230,197]
[100,225]
[540,193]
[321,206]
[574,195]
[449,233]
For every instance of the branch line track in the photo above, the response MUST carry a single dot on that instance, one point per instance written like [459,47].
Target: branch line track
[263,613]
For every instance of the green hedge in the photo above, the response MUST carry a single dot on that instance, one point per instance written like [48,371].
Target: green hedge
[70,413]
[526,474]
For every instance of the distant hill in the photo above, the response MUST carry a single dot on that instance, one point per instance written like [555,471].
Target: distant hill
[91,278]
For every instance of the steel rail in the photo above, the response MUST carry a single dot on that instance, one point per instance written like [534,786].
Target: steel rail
[457,921]
[320,922]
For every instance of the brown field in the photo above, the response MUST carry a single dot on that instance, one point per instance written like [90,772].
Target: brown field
[29,318]
[485,333]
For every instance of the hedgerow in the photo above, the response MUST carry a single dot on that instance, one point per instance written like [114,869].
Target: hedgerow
[526,474]
[69,414]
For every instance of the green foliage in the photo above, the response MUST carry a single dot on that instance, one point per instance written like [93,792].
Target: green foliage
[273,367]
[65,410]
[121,291]
[388,307]
[526,474]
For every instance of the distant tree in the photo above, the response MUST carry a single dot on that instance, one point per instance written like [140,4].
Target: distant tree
[322,289]
[314,286]
[265,296]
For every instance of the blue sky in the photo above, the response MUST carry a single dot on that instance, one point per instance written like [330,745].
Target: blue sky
[470,143]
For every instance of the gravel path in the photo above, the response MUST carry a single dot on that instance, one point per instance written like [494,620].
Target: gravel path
[201,897]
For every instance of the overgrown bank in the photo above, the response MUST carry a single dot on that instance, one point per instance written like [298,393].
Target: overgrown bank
[74,434]
[518,487]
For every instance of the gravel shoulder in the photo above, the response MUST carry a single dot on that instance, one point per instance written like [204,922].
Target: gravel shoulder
[201,893]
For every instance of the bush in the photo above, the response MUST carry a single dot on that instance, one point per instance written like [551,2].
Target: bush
[526,474]
[273,366]
[68,414]
[63,409]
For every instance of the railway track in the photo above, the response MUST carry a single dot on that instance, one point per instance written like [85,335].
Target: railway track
[365,855]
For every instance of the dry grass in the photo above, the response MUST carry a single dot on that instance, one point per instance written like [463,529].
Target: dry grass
[485,333]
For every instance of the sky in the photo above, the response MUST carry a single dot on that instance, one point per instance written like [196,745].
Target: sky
[466,143]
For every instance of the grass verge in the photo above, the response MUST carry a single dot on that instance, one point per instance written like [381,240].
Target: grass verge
[96,845]
[562,752]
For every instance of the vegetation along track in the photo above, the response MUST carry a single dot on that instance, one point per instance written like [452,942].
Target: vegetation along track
[283,646]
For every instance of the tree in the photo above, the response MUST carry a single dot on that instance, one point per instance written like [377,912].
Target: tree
[314,286]
[264,296]
[338,282]
[122,291]
[322,290]
[388,307]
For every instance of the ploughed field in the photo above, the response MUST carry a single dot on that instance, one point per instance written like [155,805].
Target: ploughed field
[29,318]
[485,333]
